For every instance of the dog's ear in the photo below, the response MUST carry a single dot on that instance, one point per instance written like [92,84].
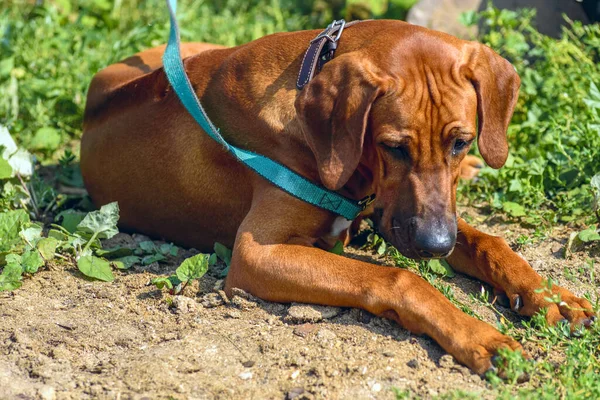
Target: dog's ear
[497,86]
[333,111]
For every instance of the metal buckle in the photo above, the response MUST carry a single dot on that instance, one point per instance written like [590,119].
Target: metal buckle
[366,202]
[325,34]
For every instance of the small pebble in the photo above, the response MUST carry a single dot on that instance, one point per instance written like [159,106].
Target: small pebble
[300,313]
[447,361]
[223,296]
[183,305]
[248,364]
[304,330]
[325,335]
[242,303]
[47,393]
[414,363]
[246,375]
[294,393]
[234,314]
[219,284]
[211,300]
[244,295]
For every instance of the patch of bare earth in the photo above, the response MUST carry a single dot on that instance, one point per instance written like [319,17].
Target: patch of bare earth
[64,337]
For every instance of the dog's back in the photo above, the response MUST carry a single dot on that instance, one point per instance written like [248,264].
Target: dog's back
[128,75]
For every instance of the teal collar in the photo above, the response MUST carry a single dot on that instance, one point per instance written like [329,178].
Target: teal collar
[279,175]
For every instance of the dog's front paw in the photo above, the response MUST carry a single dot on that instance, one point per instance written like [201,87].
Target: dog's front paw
[562,305]
[478,345]
[470,167]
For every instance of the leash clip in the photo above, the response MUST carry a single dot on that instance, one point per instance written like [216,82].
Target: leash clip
[366,201]
[326,33]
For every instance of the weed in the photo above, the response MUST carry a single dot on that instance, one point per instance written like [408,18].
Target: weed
[549,177]
[554,134]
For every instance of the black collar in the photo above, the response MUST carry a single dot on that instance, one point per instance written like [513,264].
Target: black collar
[320,51]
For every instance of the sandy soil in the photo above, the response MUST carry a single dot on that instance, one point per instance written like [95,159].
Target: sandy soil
[64,337]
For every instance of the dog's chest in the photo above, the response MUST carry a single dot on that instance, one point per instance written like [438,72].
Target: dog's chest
[340,225]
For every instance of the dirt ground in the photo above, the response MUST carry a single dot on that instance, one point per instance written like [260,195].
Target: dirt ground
[64,337]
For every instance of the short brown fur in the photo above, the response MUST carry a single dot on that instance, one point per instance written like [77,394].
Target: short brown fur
[384,116]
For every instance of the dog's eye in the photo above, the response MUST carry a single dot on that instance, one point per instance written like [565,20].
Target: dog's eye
[399,152]
[460,145]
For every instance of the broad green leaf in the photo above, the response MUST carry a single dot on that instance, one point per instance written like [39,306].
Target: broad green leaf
[6,142]
[212,260]
[382,248]
[594,100]
[115,252]
[13,258]
[147,260]
[10,279]
[161,282]
[70,219]
[468,18]
[589,235]
[118,264]
[192,268]
[31,261]
[168,249]
[223,253]
[32,234]
[571,245]
[21,163]
[94,267]
[19,159]
[6,66]
[338,248]
[58,235]
[128,261]
[45,139]
[513,209]
[147,246]
[47,247]
[102,223]
[11,223]
[441,267]
[6,170]
[515,186]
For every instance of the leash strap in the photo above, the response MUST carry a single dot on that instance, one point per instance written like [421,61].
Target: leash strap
[274,172]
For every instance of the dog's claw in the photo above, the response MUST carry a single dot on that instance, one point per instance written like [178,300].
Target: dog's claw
[518,304]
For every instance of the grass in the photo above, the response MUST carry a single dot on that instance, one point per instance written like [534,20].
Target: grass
[49,52]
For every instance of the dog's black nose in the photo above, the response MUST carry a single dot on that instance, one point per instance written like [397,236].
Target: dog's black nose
[434,238]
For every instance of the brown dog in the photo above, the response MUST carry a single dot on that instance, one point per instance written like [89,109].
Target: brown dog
[393,114]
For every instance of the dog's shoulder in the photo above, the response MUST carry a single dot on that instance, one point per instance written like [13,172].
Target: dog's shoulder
[135,77]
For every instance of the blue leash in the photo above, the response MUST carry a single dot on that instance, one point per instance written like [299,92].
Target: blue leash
[277,174]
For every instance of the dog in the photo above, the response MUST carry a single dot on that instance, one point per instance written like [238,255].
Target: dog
[393,113]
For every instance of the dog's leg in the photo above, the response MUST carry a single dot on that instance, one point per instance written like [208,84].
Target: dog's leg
[470,167]
[267,264]
[490,259]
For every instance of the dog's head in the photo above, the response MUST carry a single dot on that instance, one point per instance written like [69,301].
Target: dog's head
[403,113]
